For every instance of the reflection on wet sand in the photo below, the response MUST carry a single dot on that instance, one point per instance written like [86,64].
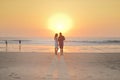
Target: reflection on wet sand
[58,69]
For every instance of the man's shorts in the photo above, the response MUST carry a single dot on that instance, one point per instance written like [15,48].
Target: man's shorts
[61,46]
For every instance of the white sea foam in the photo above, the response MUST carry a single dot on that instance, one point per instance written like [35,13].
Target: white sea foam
[71,44]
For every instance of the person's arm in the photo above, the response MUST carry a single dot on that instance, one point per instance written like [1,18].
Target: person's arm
[63,38]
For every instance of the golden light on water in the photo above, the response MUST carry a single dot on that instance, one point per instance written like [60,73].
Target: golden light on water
[60,23]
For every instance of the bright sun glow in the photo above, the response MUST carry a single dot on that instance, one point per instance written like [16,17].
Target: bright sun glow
[60,23]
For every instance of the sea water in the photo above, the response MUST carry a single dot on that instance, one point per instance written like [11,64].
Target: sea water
[71,45]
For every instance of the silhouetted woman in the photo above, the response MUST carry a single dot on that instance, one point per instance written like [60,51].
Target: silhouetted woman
[56,43]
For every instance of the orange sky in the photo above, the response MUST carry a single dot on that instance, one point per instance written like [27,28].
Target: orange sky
[28,18]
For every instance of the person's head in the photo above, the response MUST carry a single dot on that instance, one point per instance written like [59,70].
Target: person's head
[56,35]
[60,34]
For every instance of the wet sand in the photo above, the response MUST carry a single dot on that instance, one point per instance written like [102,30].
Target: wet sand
[71,66]
[105,66]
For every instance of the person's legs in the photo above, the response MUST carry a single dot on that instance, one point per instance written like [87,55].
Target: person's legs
[61,49]
[56,50]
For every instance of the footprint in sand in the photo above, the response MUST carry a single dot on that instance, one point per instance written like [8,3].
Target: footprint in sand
[14,75]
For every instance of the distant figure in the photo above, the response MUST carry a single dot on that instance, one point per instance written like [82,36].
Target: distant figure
[56,43]
[19,41]
[19,45]
[61,39]
[6,44]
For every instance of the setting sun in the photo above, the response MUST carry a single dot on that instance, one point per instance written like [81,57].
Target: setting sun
[60,23]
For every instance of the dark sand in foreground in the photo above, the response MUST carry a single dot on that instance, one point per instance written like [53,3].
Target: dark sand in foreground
[71,66]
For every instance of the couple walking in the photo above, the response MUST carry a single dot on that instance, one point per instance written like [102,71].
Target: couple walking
[59,41]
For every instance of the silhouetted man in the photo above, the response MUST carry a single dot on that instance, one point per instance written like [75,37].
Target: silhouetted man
[61,39]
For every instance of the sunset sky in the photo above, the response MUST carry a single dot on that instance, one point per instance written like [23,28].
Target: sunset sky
[30,18]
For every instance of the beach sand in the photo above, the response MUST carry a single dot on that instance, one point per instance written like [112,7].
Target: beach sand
[71,66]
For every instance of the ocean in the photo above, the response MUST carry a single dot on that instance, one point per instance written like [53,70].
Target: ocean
[74,45]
